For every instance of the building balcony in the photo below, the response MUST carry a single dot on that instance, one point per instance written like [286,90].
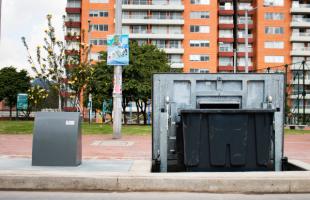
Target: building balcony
[72,38]
[73,10]
[226,26]
[71,52]
[177,64]
[226,53]
[72,24]
[300,37]
[295,96]
[228,67]
[177,36]
[153,21]
[242,12]
[242,26]
[231,68]
[173,50]
[242,68]
[242,40]
[226,39]
[300,23]
[242,54]
[301,52]
[300,9]
[146,5]
[226,10]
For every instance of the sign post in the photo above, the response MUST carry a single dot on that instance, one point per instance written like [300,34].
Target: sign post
[118,55]
[22,102]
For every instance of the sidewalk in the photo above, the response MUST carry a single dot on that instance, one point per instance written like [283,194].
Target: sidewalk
[296,147]
[124,165]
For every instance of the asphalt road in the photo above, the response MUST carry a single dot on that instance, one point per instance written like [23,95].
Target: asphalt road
[150,196]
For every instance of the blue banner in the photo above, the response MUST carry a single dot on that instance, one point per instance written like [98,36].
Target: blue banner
[118,50]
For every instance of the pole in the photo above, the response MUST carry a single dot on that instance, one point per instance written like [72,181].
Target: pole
[303,94]
[90,107]
[117,91]
[235,61]
[298,97]
[246,42]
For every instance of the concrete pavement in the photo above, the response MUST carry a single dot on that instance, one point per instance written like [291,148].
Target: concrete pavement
[142,196]
[123,165]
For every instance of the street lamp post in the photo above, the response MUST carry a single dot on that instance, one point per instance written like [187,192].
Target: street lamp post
[117,91]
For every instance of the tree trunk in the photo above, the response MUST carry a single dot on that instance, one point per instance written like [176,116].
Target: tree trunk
[11,112]
[59,101]
[138,112]
[144,112]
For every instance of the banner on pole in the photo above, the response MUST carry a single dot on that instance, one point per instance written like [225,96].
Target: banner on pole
[118,50]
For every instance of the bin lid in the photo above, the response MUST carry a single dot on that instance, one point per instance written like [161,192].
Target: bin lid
[227,111]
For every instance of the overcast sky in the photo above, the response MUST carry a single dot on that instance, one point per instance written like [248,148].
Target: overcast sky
[26,18]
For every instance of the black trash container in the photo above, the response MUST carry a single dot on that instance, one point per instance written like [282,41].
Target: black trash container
[228,140]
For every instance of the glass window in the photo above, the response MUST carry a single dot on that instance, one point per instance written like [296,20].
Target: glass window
[274,59]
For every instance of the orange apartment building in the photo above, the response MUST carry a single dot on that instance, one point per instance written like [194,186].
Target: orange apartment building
[205,36]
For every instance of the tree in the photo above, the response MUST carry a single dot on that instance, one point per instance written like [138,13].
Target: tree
[51,65]
[100,84]
[13,82]
[36,96]
[137,76]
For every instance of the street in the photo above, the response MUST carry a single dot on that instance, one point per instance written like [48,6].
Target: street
[150,196]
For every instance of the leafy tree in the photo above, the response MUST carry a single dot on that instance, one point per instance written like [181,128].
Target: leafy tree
[12,82]
[36,96]
[137,76]
[50,64]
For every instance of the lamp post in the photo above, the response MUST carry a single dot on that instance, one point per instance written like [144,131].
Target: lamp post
[117,92]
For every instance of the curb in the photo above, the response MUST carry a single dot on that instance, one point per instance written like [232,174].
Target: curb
[246,182]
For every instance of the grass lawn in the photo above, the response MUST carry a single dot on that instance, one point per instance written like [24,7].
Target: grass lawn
[26,127]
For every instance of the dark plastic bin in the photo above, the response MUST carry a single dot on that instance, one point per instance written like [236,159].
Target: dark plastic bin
[228,140]
[57,139]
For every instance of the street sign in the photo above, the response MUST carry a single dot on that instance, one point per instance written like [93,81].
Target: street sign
[118,50]
[22,101]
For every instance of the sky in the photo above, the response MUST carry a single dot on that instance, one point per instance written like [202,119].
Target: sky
[27,18]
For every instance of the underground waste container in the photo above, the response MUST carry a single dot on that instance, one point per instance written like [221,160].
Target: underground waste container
[57,139]
[228,139]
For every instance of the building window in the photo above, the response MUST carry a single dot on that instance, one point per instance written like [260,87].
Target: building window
[274,45]
[274,59]
[98,1]
[100,42]
[98,13]
[199,57]
[95,56]
[200,15]
[200,2]
[274,30]
[99,27]
[199,29]
[199,43]
[274,16]
[274,2]
[203,71]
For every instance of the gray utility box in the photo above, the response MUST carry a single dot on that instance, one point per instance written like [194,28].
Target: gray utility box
[57,139]
[247,108]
